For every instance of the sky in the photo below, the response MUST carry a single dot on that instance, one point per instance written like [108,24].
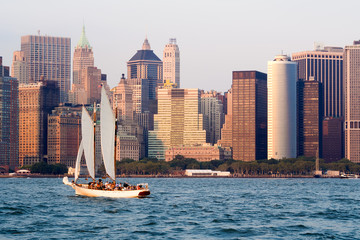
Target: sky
[215,37]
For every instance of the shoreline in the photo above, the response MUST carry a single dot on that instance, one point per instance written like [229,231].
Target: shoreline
[172,176]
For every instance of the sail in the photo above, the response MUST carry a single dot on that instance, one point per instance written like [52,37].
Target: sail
[107,129]
[78,160]
[87,131]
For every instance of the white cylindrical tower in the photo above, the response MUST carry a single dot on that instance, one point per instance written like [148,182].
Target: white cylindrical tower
[282,77]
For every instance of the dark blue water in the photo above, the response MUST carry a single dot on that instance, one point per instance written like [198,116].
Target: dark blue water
[185,209]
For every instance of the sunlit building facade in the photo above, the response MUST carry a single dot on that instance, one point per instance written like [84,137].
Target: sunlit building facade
[352,106]
[249,111]
[178,121]
[171,62]
[36,101]
[281,84]
[49,57]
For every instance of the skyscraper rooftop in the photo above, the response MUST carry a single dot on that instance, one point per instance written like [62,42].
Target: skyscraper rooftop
[145,53]
[83,42]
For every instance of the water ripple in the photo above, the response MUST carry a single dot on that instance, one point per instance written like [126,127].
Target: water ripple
[185,209]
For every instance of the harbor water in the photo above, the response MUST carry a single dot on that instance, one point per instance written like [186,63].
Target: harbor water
[184,208]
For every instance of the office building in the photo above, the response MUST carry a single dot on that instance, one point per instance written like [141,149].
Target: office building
[36,101]
[310,115]
[352,106]
[282,77]
[122,100]
[212,110]
[249,101]
[144,72]
[19,67]
[9,120]
[83,57]
[178,121]
[325,65]
[127,147]
[49,57]
[226,131]
[64,135]
[332,140]
[200,152]
[171,63]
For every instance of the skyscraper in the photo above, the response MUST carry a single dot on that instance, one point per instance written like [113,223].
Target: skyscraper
[282,77]
[83,57]
[352,106]
[36,100]
[84,89]
[310,115]
[49,57]
[171,62]
[226,131]
[212,110]
[145,65]
[122,100]
[64,135]
[19,67]
[326,66]
[249,113]
[9,121]
[332,144]
[178,121]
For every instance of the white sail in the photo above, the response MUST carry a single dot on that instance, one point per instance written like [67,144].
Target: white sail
[87,131]
[78,160]
[107,129]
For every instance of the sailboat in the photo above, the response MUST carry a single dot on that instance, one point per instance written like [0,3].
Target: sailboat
[108,149]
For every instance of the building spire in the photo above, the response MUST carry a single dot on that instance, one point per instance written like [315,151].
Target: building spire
[146,45]
[83,42]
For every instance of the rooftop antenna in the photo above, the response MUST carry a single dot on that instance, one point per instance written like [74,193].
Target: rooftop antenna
[38,31]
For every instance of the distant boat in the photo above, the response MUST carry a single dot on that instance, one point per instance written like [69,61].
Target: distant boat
[350,176]
[87,146]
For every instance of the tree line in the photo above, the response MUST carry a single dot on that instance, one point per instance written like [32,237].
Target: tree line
[294,166]
[44,168]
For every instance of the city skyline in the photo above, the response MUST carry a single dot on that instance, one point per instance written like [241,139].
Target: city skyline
[205,37]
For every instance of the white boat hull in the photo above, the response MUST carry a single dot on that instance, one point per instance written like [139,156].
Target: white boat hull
[110,194]
[84,191]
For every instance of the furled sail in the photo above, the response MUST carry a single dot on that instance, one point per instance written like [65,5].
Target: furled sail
[78,160]
[87,131]
[107,129]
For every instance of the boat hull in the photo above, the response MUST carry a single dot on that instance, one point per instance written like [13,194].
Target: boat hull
[110,194]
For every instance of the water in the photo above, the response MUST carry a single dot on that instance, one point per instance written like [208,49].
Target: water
[185,209]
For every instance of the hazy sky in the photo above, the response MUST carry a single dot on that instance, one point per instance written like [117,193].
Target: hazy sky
[215,37]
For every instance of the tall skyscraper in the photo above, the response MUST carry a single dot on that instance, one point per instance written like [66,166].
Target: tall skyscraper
[9,121]
[171,62]
[49,57]
[212,110]
[282,77]
[86,77]
[310,115]
[83,57]
[178,121]
[352,106]
[326,66]
[122,100]
[145,65]
[64,135]
[19,67]
[36,100]
[249,113]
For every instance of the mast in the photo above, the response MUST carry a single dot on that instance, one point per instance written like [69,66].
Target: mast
[94,115]
[116,127]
